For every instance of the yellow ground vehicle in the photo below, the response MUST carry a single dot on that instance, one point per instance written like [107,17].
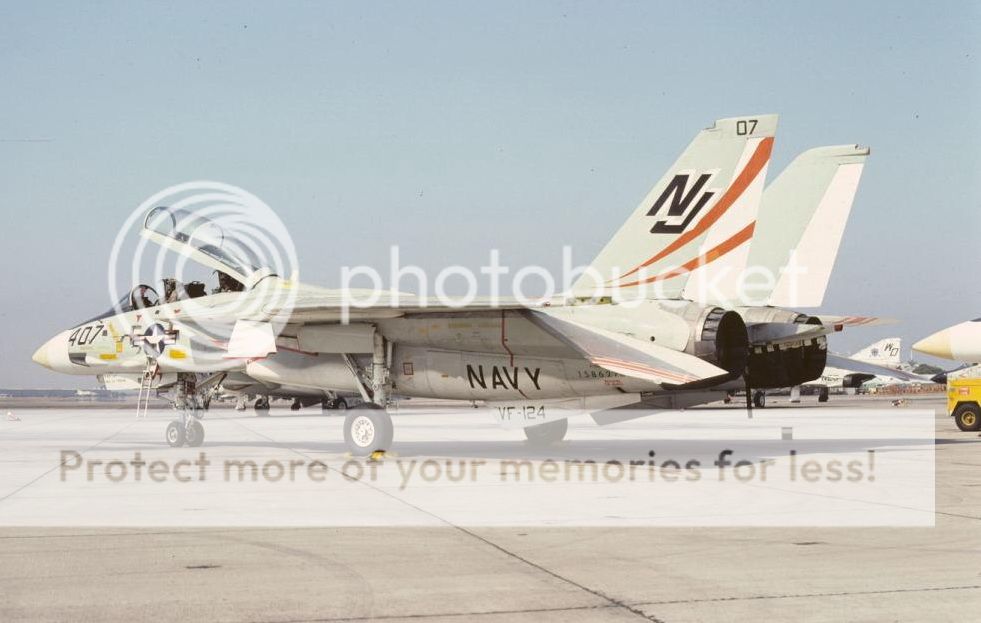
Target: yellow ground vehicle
[964,402]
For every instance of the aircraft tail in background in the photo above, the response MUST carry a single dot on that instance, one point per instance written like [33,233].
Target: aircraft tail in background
[887,352]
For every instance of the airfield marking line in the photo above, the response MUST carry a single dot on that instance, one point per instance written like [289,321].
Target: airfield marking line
[60,464]
[803,595]
[886,504]
[595,592]
[436,615]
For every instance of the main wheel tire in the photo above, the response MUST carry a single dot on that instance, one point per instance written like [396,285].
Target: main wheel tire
[261,407]
[175,434]
[823,395]
[295,406]
[194,434]
[340,404]
[548,433]
[759,400]
[368,429]
[968,417]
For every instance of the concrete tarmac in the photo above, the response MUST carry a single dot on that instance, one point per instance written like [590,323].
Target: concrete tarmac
[459,573]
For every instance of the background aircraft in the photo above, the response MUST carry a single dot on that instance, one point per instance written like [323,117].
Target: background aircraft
[876,364]
[961,342]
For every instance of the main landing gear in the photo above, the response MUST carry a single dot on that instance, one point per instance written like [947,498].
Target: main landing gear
[368,429]
[261,406]
[367,426]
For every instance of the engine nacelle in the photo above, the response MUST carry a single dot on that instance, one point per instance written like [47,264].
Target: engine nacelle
[710,333]
[789,363]
[855,380]
[715,335]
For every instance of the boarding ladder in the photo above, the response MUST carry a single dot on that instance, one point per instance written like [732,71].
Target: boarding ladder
[150,372]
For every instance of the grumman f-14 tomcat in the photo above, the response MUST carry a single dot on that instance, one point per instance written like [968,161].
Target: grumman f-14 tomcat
[606,346]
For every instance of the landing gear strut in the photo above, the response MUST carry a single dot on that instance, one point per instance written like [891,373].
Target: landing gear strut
[368,427]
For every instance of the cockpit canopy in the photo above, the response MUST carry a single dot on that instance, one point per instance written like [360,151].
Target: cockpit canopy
[140,297]
[205,241]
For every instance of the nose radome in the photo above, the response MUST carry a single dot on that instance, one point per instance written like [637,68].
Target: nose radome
[937,345]
[53,354]
[40,356]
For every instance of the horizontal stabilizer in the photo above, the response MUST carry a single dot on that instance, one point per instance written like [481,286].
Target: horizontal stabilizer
[837,323]
[776,333]
[626,355]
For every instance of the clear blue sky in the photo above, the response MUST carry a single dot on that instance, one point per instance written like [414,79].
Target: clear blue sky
[453,128]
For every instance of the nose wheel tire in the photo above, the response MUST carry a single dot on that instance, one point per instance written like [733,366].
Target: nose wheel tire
[178,434]
[368,429]
[194,434]
[175,434]
[548,433]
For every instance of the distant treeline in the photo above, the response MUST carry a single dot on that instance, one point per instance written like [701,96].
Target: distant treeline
[95,394]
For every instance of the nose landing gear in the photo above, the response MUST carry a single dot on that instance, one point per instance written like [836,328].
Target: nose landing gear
[190,433]
[188,428]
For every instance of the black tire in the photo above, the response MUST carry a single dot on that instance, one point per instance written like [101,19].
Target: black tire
[175,434]
[338,404]
[968,417]
[368,429]
[261,407]
[548,433]
[759,400]
[295,405]
[823,395]
[194,434]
